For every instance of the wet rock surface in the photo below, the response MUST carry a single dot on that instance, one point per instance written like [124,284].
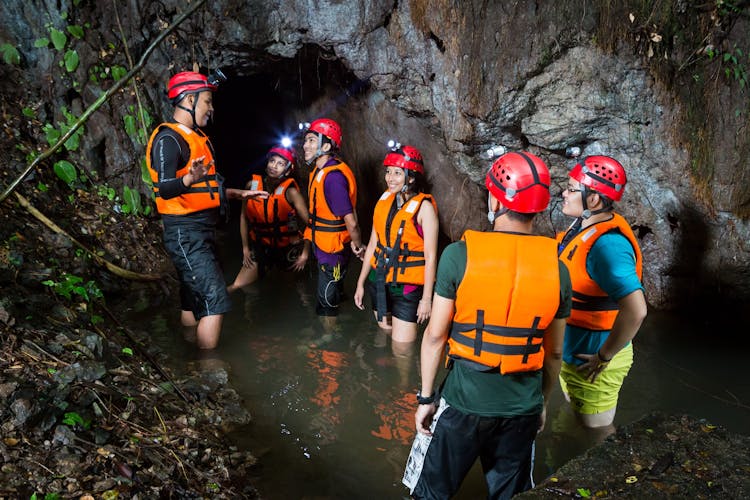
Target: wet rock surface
[643,83]
[658,456]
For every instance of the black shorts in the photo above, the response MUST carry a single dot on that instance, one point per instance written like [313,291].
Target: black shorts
[192,248]
[330,288]
[399,304]
[505,446]
[276,257]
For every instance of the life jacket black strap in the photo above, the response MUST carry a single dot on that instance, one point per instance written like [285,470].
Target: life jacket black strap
[582,302]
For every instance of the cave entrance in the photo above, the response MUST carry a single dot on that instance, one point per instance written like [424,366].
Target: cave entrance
[257,106]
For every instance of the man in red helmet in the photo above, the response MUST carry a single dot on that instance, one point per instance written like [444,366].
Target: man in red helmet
[604,260]
[333,228]
[189,196]
[500,303]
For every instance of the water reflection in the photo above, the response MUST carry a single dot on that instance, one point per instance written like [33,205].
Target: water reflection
[337,421]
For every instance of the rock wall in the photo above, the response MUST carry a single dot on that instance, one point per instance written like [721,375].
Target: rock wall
[453,78]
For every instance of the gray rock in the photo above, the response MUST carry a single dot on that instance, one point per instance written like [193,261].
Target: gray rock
[22,409]
[63,435]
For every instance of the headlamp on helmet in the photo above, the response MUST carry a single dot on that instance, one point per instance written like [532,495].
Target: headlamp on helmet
[573,151]
[405,157]
[217,77]
[496,151]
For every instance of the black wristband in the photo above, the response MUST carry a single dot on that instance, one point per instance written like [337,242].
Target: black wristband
[599,355]
[425,400]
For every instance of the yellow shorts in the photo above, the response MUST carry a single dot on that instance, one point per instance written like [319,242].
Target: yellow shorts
[587,398]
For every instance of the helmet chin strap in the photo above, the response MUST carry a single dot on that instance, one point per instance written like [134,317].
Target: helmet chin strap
[191,111]
[319,152]
[401,197]
[287,169]
[491,214]
[586,212]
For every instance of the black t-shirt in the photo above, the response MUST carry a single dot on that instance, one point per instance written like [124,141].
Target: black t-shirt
[169,153]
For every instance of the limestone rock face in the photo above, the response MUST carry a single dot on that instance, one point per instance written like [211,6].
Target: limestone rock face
[452,78]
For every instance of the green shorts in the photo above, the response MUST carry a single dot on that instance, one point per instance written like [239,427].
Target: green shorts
[587,398]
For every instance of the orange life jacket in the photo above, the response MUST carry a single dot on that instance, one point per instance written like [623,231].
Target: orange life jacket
[326,230]
[508,296]
[270,219]
[592,308]
[399,256]
[201,195]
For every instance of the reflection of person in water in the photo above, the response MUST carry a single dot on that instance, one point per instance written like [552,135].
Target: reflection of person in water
[329,367]
[396,419]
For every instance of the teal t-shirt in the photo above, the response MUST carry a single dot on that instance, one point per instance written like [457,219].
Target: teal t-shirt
[611,264]
[490,394]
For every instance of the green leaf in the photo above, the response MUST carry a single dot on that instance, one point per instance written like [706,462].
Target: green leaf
[146,173]
[42,187]
[127,350]
[72,418]
[118,72]
[41,42]
[71,60]
[51,133]
[58,38]
[28,112]
[66,171]
[129,125]
[584,492]
[10,54]
[75,30]
[131,198]
[727,56]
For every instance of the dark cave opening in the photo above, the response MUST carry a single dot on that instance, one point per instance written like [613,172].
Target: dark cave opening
[255,109]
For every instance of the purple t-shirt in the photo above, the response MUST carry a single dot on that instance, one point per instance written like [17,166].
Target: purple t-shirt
[336,190]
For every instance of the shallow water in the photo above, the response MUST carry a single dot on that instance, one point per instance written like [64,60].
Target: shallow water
[336,420]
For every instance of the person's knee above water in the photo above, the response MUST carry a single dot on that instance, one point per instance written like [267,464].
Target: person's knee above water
[605,264]
[401,256]
[190,196]
[332,229]
[271,229]
[500,303]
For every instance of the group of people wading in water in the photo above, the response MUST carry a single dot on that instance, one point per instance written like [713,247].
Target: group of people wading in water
[510,313]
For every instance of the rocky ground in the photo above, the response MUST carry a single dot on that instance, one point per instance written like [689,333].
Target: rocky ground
[659,456]
[88,409]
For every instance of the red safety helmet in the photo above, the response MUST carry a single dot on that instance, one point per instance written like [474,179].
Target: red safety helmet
[406,157]
[520,181]
[285,153]
[328,128]
[602,174]
[187,82]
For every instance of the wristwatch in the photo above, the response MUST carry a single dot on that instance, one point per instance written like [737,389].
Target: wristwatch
[425,400]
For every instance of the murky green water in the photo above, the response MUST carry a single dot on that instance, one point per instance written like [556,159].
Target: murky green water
[336,420]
